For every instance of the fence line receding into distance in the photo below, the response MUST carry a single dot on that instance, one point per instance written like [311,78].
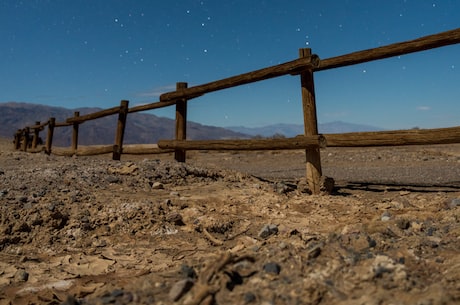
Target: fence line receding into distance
[311,141]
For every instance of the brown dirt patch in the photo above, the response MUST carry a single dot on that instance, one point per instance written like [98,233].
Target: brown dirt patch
[231,227]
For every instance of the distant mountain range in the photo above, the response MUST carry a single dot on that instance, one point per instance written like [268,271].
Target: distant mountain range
[142,128]
[292,130]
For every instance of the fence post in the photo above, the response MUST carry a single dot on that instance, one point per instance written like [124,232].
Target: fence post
[49,135]
[118,147]
[313,159]
[36,135]
[17,139]
[75,133]
[181,123]
[26,136]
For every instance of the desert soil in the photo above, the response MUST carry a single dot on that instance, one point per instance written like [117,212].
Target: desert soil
[231,228]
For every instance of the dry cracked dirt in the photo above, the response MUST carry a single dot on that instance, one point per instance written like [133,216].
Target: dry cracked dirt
[231,228]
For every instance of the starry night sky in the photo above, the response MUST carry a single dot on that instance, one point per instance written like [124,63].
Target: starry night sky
[93,53]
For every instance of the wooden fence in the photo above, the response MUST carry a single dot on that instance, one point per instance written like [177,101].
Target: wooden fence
[311,141]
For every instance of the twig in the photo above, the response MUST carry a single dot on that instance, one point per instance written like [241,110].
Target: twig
[212,239]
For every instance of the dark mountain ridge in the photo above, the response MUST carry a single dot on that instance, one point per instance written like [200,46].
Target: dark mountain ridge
[141,128]
[292,130]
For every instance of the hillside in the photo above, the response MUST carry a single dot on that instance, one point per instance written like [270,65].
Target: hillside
[292,130]
[141,127]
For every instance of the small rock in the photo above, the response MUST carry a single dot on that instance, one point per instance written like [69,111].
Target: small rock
[283,187]
[23,199]
[110,298]
[454,203]
[157,186]
[21,276]
[188,272]
[372,243]
[385,265]
[403,223]
[314,252]
[23,227]
[273,268]
[175,218]
[179,289]
[327,185]
[249,297]
[70,301]
[386,216]
[113,179]
[268,230]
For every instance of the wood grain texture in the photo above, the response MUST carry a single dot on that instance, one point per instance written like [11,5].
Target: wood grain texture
[396,49]
[265,144]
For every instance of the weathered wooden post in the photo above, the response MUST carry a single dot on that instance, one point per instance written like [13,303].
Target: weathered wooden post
[122,115]
[26,136]
[75,133]
[181,123]
[36,134]
[17,139]
[49,135]
[313,159]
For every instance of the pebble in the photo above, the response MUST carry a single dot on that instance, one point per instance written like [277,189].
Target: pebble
[174,194]
[157,186]
[268,230]
[117,296]
[188,272]
[283,188]
[112,179]
[273,268]
[180,288]
[249,297]
[403,223]
[454,203]
[314,252]
[21,276]
[175,218]
[386,216]
[23,199]
[70,301]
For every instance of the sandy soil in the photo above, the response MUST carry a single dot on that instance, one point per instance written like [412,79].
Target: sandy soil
[231,228]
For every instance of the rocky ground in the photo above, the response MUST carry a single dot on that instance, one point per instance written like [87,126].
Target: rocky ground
[231,228]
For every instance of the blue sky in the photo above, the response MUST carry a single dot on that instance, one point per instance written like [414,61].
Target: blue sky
[93,53]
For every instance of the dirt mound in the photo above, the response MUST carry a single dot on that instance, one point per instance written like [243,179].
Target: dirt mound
[147,231]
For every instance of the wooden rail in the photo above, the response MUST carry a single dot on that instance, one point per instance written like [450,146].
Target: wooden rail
[93,116]
[311,141]
[395,138]
[396,49]
[291,67]
[301,142]
[151,106]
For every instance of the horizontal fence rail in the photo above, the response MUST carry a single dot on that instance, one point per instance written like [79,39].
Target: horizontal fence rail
[396,49]
[93,116]
[305,66]
[292,67]
[395,138]
[300,142]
